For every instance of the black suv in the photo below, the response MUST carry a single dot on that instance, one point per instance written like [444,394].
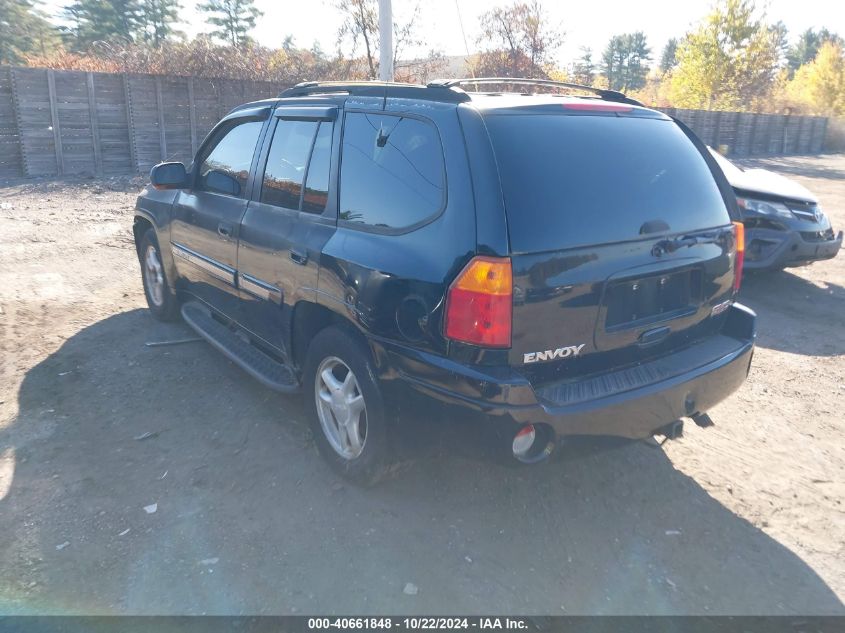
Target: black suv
[565,264]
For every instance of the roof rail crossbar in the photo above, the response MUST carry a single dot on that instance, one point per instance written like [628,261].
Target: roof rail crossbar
[607,95]
[374,89]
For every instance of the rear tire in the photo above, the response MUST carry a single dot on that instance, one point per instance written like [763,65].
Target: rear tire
[345,407]
[161,299]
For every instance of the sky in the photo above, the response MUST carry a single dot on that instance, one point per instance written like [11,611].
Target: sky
[584,23]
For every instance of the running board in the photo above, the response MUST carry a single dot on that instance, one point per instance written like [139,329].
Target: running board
[268,371]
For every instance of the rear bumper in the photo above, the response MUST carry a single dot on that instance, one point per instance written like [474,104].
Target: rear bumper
[632,402]
[767,248]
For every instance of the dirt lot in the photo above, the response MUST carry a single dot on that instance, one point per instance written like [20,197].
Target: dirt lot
[742,518]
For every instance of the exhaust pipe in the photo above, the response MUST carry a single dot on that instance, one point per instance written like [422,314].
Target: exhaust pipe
[524,440]
[533,443]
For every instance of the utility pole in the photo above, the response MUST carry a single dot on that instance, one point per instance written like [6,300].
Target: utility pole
[385,40]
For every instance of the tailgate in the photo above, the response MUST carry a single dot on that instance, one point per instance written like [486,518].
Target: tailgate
[621,242]
[586,310]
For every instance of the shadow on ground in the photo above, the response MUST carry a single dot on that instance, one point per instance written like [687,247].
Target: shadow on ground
[249,520]
[794,314]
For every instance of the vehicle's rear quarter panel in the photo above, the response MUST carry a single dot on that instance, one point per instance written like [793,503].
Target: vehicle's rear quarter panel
[392,285]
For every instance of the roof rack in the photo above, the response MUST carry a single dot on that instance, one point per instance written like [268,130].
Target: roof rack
[448,90]
[607,95]
[375,89]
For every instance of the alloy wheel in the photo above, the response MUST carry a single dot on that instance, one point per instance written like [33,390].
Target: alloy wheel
[341,407]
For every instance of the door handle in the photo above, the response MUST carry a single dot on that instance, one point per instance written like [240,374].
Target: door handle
[298,257]
[224,229]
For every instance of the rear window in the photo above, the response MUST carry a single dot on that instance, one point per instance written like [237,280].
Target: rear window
[574,180]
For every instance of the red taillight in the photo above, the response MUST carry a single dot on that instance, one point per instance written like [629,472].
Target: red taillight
[479,303]
[739,235]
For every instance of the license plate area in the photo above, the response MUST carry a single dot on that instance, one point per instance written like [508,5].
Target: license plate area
[637,302]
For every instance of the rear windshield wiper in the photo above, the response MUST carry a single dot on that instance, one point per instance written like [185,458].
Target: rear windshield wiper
[674,244]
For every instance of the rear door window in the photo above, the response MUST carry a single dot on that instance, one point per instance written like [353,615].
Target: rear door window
[572,181]
[286,163]
[316,194]
[392,174]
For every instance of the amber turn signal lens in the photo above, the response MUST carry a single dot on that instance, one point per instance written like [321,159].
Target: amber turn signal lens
[489,275]
[739,235]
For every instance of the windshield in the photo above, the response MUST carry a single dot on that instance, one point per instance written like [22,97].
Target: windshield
[571,181]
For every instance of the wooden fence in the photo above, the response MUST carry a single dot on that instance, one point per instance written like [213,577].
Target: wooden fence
[751,134]
[55,123]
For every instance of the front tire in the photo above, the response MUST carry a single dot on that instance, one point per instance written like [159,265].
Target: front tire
[160,298]
[345,407]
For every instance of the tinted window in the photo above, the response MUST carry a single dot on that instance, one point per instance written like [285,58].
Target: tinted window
[317,182]
[286,163]
[392,173]
[576,180]
[231,159]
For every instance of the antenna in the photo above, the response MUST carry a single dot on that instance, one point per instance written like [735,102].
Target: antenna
[463,35]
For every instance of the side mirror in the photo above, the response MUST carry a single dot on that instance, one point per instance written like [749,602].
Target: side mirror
[222,182]
[169,176]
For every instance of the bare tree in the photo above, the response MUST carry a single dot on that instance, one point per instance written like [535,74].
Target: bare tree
[360,24]
[360,27]
[518,41]
[421,70]
[405,35]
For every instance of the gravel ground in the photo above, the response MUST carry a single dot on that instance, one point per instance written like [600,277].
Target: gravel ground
[166,481]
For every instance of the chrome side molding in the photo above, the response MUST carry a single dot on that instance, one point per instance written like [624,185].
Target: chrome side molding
[211,266]
[259,288]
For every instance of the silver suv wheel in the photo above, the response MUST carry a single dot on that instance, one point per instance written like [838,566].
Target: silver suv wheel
[154,276]
[341,407]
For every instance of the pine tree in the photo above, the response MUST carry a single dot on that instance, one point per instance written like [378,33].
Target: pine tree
[625,61]
[158,18]
[808,45]
[669,57]
[24,29]
[93,21]
[583,69]
[780,36]
[233,19]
